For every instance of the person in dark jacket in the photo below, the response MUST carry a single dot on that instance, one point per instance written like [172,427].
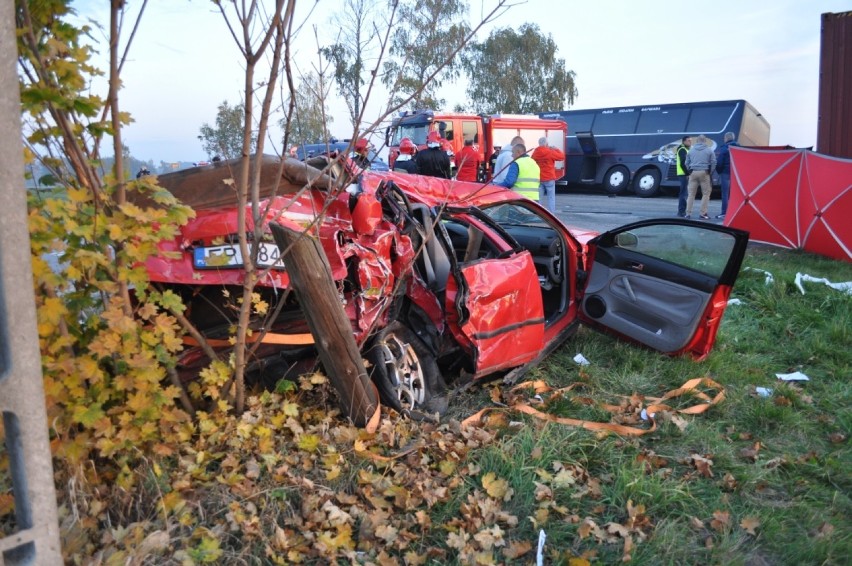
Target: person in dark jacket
[682,174]
[405,162]
[723,168]
[434,161]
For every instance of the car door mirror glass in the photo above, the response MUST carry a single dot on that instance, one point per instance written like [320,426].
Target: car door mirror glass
[627,240]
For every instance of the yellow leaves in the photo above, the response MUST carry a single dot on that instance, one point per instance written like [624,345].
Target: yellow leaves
[331,543]
[261,307]
[79,196]
[497,488]
[50,313]
[309,442]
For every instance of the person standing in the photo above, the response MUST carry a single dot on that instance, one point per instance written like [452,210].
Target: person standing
[361,157]
[723,168]
[434,161]
[700,161]
[501,166]
[682,174]
[405,162]
[468,163]
[546,157]
[523,174]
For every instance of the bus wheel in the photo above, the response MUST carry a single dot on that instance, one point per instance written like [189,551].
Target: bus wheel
[647,183]
[616,179]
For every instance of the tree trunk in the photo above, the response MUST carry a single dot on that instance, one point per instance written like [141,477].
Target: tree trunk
[310,278]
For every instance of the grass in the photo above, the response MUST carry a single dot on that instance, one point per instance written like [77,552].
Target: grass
[784,460]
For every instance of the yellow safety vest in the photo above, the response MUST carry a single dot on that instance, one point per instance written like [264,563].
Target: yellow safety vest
[529,178]
[680,170]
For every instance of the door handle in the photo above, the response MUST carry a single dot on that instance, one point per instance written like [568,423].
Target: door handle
[636,266]
[629,289]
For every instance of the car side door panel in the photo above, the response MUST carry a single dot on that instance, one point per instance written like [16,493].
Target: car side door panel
[501,311]
[663,283]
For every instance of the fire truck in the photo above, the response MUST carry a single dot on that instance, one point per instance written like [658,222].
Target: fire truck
[488,132]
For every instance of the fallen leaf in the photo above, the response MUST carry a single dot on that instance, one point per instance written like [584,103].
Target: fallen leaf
[749,524]
[751,453]
[729,481]
[721,521]
[585,529]
[782,401]
[703,465]
[696,523]
[516,549]
[824,531]
[680,422]
[497,488]
[387,533]
[626,555]
[836,437]
[535,454]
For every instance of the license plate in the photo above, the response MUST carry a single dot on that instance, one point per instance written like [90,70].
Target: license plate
[229,256]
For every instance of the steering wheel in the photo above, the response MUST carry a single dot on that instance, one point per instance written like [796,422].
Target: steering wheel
[555,265]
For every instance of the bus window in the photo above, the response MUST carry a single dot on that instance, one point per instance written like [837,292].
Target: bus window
[662,121]
[755,130]
[579,122]
[469,131]
[711,119]
[622,121]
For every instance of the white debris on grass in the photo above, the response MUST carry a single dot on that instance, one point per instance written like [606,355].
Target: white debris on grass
[795,376]
[581,360]
[539,555]
[845,287]
[763,391]
[769,277]
[734,302]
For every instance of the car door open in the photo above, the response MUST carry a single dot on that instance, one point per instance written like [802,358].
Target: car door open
[663,283]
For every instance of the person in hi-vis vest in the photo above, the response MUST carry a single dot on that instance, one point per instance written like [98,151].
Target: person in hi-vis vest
[523,175]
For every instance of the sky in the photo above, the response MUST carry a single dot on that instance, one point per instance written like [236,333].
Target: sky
[183,62]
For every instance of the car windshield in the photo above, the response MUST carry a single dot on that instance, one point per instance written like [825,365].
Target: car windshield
[416,132]
[510,214]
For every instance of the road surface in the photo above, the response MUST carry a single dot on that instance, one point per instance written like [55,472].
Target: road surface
[601,212]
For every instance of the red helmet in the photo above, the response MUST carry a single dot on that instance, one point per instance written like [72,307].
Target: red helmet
[361,144]
[433,139]
[407,146]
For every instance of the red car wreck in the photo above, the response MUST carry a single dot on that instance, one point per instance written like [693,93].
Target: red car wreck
[442,278]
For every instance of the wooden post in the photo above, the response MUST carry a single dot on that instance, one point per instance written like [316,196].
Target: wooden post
[310,278]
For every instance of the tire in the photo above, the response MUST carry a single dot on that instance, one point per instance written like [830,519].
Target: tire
[616,179]
[647,182]
[405,372]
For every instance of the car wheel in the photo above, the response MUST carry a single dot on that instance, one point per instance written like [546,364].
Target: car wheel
[405,371]
[647,182]
[616,179]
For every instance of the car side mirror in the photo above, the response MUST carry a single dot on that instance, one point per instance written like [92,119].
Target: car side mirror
[626,240]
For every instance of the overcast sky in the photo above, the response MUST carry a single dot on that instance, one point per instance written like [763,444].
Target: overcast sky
[183,62]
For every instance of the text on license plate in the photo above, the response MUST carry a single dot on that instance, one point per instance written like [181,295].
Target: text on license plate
[228,256]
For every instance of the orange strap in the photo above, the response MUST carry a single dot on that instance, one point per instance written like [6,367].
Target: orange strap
[690,386]
[268,338]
